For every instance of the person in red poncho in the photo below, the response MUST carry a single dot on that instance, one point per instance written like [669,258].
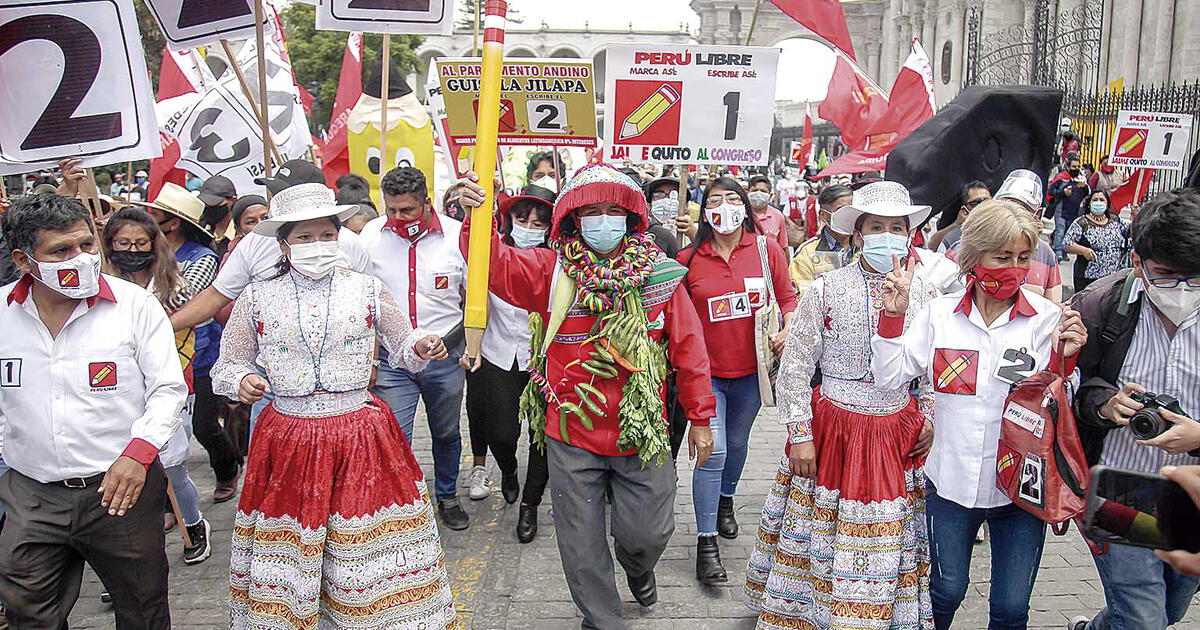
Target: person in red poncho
[615,314]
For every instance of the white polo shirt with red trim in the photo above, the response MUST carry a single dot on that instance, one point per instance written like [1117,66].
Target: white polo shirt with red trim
[109,384]
[971,365]
[427,276]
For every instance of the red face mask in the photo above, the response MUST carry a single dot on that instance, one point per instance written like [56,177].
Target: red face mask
[406,228]
[1001,283]
[1106,169]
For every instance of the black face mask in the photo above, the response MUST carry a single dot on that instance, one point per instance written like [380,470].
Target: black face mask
[129,262]
[1074,172]
[214,214]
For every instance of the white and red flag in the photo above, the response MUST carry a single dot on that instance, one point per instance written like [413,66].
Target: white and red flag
[823,17]
[335,155]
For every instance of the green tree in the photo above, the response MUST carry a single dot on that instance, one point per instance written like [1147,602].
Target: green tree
[152,41]
[317,56]
[468,8]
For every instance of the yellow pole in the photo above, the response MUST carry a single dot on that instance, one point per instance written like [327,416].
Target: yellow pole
[475,316]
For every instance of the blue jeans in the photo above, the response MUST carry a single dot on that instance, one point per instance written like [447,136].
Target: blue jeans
[1061,224]
[1140,590]
[440,385]
[738,402]
[1016,537]
[185,493]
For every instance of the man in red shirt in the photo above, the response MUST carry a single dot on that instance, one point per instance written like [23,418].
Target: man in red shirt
[615,314]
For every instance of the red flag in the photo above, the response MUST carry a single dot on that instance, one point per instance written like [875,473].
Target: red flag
[1132,191]
[335,157]
[823,17]
[910,105]
[806,140]
[181,73]
[852,103]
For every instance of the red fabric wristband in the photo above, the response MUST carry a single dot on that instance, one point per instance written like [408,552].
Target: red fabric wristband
[141,451]
[890,326]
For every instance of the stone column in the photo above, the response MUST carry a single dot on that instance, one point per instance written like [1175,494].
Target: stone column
[1164,40]
[873,60]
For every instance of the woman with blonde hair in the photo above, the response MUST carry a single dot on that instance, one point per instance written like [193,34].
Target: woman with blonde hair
[974,346]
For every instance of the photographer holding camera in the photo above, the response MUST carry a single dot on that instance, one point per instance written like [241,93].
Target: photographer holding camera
[1140,391]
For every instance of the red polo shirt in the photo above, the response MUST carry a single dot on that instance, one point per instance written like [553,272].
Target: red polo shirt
[727,293]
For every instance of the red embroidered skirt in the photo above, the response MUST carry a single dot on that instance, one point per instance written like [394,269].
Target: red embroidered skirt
[335,530]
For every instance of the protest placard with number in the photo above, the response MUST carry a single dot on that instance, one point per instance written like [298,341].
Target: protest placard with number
[547,102]
[1151,140]
[74,85]
[191,23]
[671,104]
[398,17]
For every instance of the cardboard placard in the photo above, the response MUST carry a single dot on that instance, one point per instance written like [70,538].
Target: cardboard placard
[1151,140]
[191,23]
[74,85]
[671,104]
[544,102]
[398,17]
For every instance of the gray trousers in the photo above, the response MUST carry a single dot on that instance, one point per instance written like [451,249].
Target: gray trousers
[643,519]
[51,530]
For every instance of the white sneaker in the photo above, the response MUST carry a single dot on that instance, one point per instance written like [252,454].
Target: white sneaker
[479,483]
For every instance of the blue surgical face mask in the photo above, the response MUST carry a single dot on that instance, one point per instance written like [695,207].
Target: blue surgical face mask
[603,232]
[1098,207]
[878,250]
[525,237]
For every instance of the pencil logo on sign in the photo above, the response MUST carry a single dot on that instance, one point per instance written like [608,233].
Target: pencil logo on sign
[645,115]
[68,278]
[1131,143]
[102,374]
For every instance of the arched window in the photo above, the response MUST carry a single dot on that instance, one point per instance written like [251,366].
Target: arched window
[947,51]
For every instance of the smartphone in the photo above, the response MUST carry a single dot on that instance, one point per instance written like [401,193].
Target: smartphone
[1140,509]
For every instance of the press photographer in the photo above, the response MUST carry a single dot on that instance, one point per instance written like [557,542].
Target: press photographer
[1142,364]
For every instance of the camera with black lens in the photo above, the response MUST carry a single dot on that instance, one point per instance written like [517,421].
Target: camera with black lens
[1148,423]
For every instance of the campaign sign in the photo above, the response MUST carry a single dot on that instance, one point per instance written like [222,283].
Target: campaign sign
[671,104]
[1151,140]
[398,17]
[191,23]
[546,102]
[74,85]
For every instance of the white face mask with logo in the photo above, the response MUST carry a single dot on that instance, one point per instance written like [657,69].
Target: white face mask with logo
[77,278]
[315,260]
[726,218]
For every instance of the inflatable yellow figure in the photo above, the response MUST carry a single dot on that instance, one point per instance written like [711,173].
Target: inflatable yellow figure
[410,140]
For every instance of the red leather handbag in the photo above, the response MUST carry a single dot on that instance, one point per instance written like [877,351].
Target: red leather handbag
[1040,464]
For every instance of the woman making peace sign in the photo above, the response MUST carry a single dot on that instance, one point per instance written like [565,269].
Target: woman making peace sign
[973,346]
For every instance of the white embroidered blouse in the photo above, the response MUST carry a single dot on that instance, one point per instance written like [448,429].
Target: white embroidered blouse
[832,330]
[315,339]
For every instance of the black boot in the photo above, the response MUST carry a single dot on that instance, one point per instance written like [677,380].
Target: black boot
[510,488]
[527,523]
[708,561]
[643,587]
[727,525]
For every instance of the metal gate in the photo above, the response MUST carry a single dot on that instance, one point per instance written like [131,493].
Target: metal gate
[1052,48]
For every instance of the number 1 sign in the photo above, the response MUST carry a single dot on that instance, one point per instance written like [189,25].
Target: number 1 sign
[672,104]
[73,83]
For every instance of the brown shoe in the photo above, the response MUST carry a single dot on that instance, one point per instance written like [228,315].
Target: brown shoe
[226,490]
[169,522]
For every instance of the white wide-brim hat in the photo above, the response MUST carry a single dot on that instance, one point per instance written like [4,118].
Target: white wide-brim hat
[302,202]
[882,199]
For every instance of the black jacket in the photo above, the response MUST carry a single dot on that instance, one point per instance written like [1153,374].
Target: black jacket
[8,271]
[1111,322]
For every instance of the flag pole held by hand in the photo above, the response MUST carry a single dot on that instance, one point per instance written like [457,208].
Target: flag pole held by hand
[475,315]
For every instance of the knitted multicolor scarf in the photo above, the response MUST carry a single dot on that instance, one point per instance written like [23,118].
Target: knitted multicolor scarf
[603,281]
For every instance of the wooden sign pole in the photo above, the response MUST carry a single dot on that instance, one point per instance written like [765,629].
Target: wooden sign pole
[263,117]
[249,94]
[557,169]
[683,198]
[384,88]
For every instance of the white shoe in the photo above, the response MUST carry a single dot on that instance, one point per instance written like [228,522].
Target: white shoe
[479,483]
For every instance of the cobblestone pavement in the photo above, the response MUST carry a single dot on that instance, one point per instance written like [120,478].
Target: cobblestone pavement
[502,585]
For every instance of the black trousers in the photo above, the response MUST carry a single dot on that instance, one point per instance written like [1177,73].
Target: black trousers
[222,454]
[51,530]
[493,404]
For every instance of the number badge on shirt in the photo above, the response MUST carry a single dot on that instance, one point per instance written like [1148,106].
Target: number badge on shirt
[730,306]
[1015,366]
[955,371]
[10,372]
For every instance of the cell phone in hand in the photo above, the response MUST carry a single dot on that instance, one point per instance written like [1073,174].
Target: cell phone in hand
[1126,507]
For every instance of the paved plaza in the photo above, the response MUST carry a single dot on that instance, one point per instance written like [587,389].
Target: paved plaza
[500,584]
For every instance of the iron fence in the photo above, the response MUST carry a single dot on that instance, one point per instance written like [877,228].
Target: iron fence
[1094,119]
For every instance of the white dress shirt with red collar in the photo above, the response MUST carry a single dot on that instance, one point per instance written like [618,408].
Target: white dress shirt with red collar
[427,276]
[971,365]
[109,384]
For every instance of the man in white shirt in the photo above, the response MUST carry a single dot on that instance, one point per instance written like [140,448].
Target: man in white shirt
[90,391]
[416,253]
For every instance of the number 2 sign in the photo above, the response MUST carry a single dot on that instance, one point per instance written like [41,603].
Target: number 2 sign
[671,104]
[191,23]
[73,83]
